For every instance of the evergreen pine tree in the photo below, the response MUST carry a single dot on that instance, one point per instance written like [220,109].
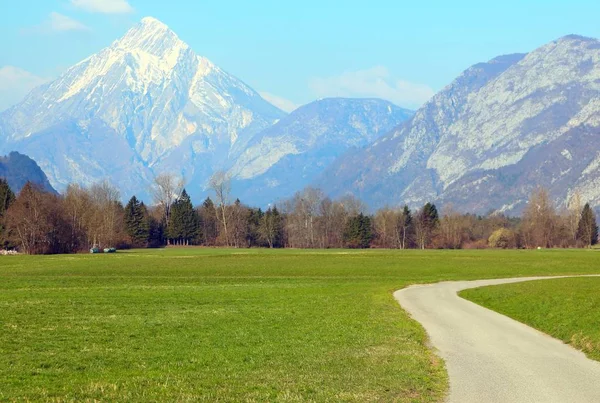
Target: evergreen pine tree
[406,228]
[431,215]
[183,224]
[587,232]
[7,197]
[208,222]
[277,224]
[254,219]
[358,232]
[427,221]
[189,219]
[174,232]
[136,222]
[156,232]
[271,228]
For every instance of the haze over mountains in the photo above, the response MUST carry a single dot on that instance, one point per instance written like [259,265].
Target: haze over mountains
[148,104]
[144,105]
[292,153]
[489,138]
[19,169]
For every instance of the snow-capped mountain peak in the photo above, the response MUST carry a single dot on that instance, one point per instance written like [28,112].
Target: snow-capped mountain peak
[153,37]
[166,107]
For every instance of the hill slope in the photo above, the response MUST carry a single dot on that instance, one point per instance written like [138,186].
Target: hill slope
[292,153]
[485,141]
[18,169]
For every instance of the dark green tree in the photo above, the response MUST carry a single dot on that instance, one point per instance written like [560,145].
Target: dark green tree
[406,229]
[358,232]
[587,231]
[183,225]
[156,229]
[136,222]
[253,238]
[271,228]
[7,197]
[208,222]
[426,222]
[430,215]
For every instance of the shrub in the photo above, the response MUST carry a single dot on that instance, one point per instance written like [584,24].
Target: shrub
[503,239]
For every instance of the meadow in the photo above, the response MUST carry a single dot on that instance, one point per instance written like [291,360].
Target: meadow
[234,325]
[567,309]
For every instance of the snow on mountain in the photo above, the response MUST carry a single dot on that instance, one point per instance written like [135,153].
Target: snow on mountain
[144,105]
[485,141]
[291,154]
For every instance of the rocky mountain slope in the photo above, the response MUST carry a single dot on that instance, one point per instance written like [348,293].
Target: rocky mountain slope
[146,104]
[18,169]
[494,134]
[291,154]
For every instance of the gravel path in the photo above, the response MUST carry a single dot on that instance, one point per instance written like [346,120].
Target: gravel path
[492,358]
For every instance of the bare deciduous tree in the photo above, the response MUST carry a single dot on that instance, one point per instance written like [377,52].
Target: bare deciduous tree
[387,229]
[166,189]
[220,183]
[451,229]
[107,221]
[539,220]
[574,208]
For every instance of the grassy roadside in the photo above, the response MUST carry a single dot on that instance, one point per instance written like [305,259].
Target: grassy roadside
[567,309]
[233,325]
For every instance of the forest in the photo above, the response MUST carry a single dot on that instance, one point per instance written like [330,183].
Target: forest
[38,222]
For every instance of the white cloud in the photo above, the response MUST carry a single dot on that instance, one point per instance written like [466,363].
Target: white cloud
[103,6]
[376,82]
[61,23]
[280,102]
[15,83]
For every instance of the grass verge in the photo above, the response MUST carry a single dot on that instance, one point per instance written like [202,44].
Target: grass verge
[567,309]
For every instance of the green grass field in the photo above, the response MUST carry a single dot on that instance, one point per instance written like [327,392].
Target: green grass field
[233,325]
[568,309]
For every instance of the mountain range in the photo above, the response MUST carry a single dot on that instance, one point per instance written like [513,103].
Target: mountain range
[145,105]
[292,153]
[148,104]
[488,139]
[18,169]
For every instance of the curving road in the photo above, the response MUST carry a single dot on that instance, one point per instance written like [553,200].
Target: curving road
[492,358]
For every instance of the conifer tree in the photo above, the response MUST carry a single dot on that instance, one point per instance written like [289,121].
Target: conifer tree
[208,222]
[183,224]
[271,228]
[358,232]
[405,224]
[7,197]
[431,215]
[426,222]
[136,222]
[587,231]
[253,237]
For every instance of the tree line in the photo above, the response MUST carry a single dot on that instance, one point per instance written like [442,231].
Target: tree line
[37,222]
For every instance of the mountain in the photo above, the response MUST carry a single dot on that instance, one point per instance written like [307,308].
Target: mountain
[488,139]
[291,154]
[18,169]
[147,104]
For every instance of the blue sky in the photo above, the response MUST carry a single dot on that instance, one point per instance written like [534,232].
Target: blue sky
[295,51]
